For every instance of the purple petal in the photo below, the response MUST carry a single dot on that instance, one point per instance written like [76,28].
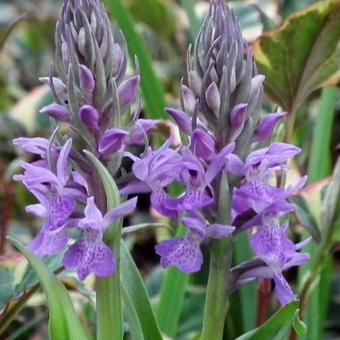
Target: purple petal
[90,117]
[164,203]
[93,216]
[87,82]
[63,163]
[37,145]
[49,243]
[183,253]
[120,211]
[195,199]
[218,162]
[213,99]
[234,165]
[283,291]
[203,145]
[195,224]
[89,258]
[127,92]
[219,231]
[112,141]
[135,187]
[238,117]
[182,120]
[60,210]
[37,210]
[139,131]
[265,128]
[56,111]
[188,99]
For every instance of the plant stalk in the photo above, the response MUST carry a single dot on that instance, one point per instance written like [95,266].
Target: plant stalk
[217,299]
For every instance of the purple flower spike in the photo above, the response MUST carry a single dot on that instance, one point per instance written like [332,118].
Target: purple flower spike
[203,145]
[56,111]
[90,117]
[213,99]
[266,126]
[182,120]
[112,141]
[87,82]
[127,92]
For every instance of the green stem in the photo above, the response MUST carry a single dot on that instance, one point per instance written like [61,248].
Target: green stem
[109,300]
[216,303]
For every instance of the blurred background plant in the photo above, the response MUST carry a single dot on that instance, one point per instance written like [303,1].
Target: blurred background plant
[301,62]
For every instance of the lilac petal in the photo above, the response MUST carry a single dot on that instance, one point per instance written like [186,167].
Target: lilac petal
[203,145]
[238,117]
[56,111]
[234,165]
[182,253]
[63,163]
[219,231]
[164,203]
[266,243]
[112,141]
[87,82]
[303,243]
[79,179]
[49,243]
[281,152]
[90,117]
[138,133]
[195,199]
[188,99]
[182,120]
[135,187]
[93,216]
[213,99]
[120,211]
[88,258]
[37,210]
[195,224]
[127,92]
[218,162]
[265,128]
[38,146]
[60,210]
[298,259]
[283,291]
[58,85]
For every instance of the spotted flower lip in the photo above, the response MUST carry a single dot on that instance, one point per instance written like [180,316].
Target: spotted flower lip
[185,253]
[90,254]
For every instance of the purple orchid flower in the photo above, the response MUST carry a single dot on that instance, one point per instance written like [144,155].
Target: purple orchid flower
[185,253]
[90,254]
[154,171]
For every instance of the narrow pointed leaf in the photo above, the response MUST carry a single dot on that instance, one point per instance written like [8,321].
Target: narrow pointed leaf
[63,321]
[277,327]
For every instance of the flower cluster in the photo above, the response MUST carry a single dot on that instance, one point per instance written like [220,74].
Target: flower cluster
[99,106]
[221,120]
[224,165]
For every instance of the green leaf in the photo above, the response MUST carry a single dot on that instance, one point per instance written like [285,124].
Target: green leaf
[152,88]
[136,331]
[302,55]
[63,320]
[277,327]
[172,297]
[135,294]
[299,326]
